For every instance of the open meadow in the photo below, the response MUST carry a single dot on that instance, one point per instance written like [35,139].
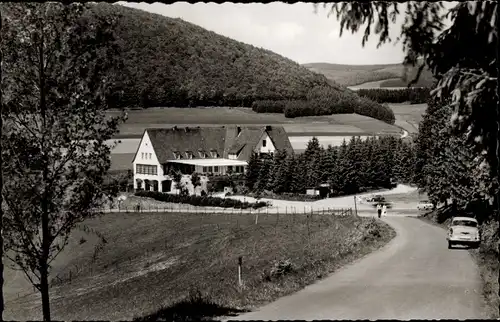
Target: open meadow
[152,260]
[384,75]
[408,116]
[138,120]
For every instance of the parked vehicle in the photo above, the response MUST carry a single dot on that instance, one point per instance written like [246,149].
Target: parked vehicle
[463,231]
[376,199]
[425,205]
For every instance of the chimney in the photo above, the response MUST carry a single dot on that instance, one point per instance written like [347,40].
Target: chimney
[238,130]
[175,128]
[268,127]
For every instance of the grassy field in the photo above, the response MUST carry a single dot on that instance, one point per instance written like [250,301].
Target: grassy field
[389,75]
[350,75]
[408,116]
[153,261]
[138,120]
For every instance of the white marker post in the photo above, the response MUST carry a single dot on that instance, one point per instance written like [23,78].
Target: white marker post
[355,206]
[240,261]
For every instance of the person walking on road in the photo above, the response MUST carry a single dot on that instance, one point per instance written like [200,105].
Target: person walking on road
[384,210]
[379,210]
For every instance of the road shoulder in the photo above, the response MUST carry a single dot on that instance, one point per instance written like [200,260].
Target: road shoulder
[489,266]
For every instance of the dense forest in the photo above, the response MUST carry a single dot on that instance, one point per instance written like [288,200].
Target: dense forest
[355,166]
[412,95]
[170,62]
[448,168]
[322,100]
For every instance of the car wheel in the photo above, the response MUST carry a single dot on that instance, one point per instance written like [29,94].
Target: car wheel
[450,246]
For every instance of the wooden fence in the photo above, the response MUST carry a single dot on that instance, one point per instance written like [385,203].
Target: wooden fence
[186,208]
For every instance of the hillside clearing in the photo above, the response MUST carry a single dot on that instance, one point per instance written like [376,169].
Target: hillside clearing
[162,257]
[408,116]
[384,75]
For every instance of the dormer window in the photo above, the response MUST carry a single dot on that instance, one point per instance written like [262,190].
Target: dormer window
[202,154]
[214,154]
[177,155]
[189,155]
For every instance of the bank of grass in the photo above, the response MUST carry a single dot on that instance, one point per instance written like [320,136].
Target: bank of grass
[486,258]
[153,263]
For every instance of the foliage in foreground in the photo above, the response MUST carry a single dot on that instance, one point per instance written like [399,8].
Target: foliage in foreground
[201,201]
[58,63]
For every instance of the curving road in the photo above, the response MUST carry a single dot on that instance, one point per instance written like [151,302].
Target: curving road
[415,276]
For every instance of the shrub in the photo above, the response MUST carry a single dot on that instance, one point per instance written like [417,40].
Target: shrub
[269,106]
[412,95]
[202,201]
[279,269]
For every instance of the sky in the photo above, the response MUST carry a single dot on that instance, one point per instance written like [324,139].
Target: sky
[291,30]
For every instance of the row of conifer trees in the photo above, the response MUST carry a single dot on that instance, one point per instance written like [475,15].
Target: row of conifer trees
[355,166]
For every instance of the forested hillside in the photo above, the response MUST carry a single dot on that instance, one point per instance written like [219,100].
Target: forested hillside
[172,63]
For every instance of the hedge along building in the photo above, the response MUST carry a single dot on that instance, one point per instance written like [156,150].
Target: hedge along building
[207,151]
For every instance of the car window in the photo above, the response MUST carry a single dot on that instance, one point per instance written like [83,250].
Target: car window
[466,223]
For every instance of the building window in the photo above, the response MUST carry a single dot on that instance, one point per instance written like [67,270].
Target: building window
[142,155]
[214,154]
[150,156]
[216,169]
[264,143]
[177,155]
[204,169]
[229,168]
[146,169]
[203,155]
[210,169]
[189,155]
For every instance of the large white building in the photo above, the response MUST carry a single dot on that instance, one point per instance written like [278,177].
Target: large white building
[204,150]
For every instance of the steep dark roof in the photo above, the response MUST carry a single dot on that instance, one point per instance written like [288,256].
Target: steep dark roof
[224,140]
[246,142]
[280,139]
[166,141]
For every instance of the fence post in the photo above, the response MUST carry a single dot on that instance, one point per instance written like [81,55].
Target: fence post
[355,206]
[240,263]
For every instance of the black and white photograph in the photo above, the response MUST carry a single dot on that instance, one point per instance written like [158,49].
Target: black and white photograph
[204,161]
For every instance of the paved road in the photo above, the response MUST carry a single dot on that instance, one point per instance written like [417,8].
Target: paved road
[415,276]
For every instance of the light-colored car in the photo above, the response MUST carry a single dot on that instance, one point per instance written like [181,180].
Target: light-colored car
[425,205]
[463,231]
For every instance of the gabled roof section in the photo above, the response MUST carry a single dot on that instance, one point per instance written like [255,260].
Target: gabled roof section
[166,141]
[246,141]
[139,146]
[280,139]
[223,140]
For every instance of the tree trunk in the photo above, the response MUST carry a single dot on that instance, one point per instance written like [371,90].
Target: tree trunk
[44,272]
[44,290]
[1,184]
